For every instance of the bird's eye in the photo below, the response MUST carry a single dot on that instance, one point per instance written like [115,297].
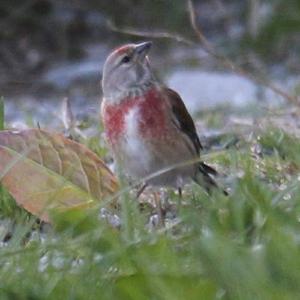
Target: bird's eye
[125,59]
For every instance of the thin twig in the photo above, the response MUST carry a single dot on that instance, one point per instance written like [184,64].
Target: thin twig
[210,49]
[150,34]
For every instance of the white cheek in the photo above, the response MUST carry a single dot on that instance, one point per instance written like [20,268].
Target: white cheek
[132,76]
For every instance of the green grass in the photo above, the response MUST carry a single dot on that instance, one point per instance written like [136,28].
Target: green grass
[245,246]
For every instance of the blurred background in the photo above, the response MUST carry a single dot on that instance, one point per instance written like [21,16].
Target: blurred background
[51,49]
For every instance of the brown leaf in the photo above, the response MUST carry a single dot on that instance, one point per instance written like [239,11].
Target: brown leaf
[44,170]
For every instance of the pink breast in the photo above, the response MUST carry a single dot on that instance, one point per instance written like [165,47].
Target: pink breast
[151,116]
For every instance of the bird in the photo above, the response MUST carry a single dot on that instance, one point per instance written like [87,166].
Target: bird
[147,125]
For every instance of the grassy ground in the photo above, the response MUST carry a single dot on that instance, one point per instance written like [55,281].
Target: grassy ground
[244,246]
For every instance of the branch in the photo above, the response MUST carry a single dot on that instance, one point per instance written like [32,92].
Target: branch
[210,49]
[150,34]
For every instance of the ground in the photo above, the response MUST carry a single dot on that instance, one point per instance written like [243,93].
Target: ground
[241,246]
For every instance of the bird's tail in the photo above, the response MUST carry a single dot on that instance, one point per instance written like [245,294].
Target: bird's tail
[204,178]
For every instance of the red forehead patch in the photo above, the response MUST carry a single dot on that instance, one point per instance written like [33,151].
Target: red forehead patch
[122,49]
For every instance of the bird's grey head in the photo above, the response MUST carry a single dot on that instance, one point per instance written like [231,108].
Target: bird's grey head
[126,69]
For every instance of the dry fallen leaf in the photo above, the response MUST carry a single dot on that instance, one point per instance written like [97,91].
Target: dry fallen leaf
[45,171]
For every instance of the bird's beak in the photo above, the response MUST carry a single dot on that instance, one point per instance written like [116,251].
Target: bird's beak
[142,49]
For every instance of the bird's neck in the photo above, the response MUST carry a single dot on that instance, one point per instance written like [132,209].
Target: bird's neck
[115,96]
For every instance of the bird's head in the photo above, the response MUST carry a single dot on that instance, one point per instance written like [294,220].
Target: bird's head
[126,68]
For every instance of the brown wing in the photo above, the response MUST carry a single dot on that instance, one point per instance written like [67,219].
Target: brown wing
[182,118]
[184,121]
